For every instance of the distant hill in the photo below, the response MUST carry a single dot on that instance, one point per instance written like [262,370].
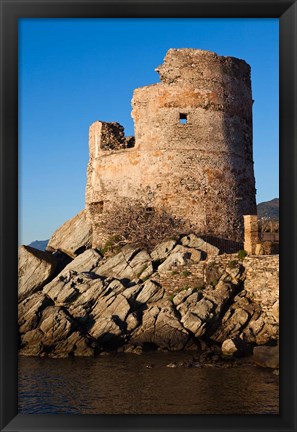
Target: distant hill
[269,209]
[39,244]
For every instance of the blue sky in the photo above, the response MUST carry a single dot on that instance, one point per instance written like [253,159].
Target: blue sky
[73,72]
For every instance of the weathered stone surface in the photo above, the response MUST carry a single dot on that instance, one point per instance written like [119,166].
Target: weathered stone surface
[266,356]
[141,266]
[128,264]
[29,310]
[179,256]
[191,253]
[69,286]
[111,306]
[232,325]
[151,292]
[162,250]
[73,237]
[117,265]
[55,326]
[35,269]
[87,261]
[160,327]
[193,241]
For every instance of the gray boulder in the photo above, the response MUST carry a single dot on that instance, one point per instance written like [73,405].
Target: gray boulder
[73,237]
[162,250]
[128,264]
[151,292]
[179,256]
[193,241]
[88,261]
[35,270]
[229,348]
[175,259]
[161,328]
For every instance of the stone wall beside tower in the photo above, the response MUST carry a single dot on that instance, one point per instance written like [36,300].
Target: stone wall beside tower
[192,152]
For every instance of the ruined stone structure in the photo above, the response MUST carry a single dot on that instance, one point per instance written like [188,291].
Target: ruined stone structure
[192,152]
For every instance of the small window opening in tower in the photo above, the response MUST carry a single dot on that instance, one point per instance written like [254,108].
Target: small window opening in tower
[183,118]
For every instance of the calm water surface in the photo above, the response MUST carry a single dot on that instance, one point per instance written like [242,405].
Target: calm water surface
[123,384]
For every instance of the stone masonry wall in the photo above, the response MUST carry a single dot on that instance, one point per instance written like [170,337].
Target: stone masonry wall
[262,285]
[201,171]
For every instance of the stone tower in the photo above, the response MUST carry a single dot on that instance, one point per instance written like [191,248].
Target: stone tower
[192,152]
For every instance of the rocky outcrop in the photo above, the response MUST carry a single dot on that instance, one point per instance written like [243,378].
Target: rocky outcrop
[73,237]
[35,269]
[99,304]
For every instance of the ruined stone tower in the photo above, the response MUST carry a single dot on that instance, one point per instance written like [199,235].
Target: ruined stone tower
[192,151]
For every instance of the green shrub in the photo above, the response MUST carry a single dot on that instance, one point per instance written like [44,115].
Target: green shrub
[242,254]
[171,297]
[186,273]
[232,263]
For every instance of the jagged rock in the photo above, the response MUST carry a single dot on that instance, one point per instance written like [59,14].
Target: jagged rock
[141,266]
[266,356]
[73,237]
[182,296]
[35,269]
[75,345]
[117,265]
[54,326]
[128,264]
[83,312]
[194,324]
[196,314]
[132,321]
[188,301]
[231,326]
[88,261]
[151,292]
[191,253]
[268,332]
[161,328]
[107,330]
[179,256]
[174,260]
[131,292]
[198,243]
[162,250]
[220,295]
[69,286]
[29,311]
[111,306]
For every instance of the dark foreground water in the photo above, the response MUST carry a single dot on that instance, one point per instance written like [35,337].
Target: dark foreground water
[132,384]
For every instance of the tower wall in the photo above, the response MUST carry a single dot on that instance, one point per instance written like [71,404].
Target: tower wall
[200,170]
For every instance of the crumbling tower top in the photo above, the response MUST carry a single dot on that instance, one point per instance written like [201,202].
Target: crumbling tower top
[193,65]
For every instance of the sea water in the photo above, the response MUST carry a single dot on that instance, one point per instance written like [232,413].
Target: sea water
[143,384]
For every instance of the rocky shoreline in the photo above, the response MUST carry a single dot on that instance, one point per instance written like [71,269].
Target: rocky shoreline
[181,296]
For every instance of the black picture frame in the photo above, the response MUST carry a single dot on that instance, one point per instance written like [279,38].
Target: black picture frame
[11,11]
